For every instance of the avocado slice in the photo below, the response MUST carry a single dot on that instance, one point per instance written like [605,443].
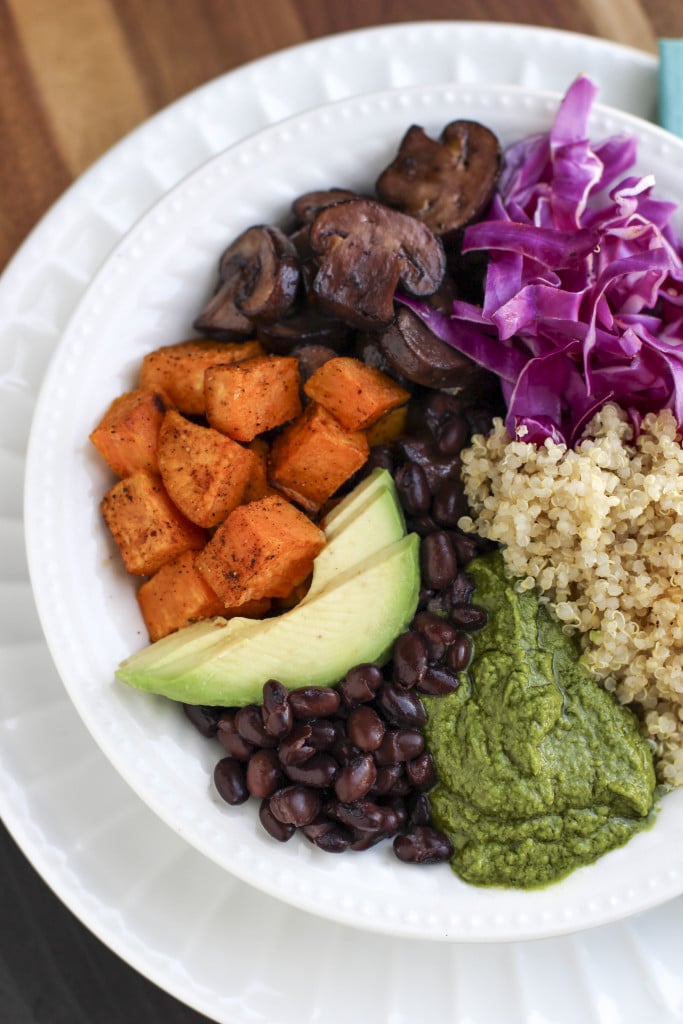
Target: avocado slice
[363,594]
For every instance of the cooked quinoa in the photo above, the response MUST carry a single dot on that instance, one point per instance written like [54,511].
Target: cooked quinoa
[599,530]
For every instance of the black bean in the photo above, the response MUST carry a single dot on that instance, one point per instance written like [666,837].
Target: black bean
[296,805]
[360,684]
[410,659]
[204,719]
[356,779]
[413,488]
[318,771]
[439,681]
[365,728]
[363,815]
[440,408]
[421,771]
[264,773]
[423,845]
[437,467]
[328,836]
[324,733]
[276,712]
[419,811]
[459,653]
[314,701]
[468,616]
[296,747]
[229,777]
[230,739]
[422,525]
[460,590]
[452,435]
[438,560]
[388,776]
[279,830]
[466,547]
[438,632]
[450,503]
[401,707]
[381,457]
[399,745]
[249,724]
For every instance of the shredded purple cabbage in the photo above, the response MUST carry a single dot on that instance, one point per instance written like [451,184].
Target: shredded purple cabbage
[583,297]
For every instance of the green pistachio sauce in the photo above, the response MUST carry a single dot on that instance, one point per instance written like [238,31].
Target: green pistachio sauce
[541,771]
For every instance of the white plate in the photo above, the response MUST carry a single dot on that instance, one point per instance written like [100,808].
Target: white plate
[147,295]
[130,879]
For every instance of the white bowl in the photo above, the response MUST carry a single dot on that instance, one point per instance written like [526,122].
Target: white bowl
[146,295]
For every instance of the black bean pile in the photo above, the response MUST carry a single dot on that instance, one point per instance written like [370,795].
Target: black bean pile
[348,766]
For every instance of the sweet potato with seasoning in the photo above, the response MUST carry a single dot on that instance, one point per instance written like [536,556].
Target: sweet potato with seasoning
[177,595]
[178,370]
[258,486]
[356,394]
[388,427]
[251,397]
[314,456]
[147,527]
[205,472]
[263,549]
[127,435]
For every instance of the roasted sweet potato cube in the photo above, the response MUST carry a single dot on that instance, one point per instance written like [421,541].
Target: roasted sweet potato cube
[355,393]
[126,437]
[258,486]
[251,397]
[389,427]
[262,549]
[176,595]
[178,370]
[205,472]
[314,456]
[147,527]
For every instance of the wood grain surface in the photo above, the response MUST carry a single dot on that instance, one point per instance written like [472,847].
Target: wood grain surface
[75,77]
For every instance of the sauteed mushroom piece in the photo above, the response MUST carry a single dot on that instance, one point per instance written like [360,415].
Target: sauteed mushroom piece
[259,277]
[365,252]
[446,183]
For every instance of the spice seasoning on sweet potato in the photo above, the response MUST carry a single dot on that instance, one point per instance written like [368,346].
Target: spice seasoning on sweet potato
[178,595]
[356,394]
[204,472]
[251,397]
[178,370]
[263,549]
[126,437]
[147,527]
[314,456]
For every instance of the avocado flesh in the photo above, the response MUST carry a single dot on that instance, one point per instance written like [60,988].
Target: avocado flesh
[368,521]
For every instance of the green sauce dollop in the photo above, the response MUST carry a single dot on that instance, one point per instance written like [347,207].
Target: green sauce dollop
[540,770]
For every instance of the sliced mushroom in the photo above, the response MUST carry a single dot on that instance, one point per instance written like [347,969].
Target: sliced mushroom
[259,277]
[415,353]
[365,252]
[307,207]
[446,183]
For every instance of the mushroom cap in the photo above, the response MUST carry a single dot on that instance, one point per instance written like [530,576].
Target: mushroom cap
[259,277]
[446,183]
[365,251]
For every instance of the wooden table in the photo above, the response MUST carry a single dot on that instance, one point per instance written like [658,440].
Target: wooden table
[75,76]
